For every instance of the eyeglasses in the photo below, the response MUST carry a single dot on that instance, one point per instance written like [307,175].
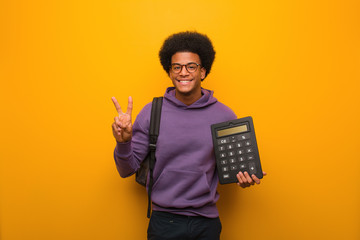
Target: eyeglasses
[190,67]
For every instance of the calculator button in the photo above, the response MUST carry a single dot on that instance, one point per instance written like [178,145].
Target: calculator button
[242,166]
[250,157]
[241,159]
[247,143]
[233,167]
[241,151]
[232,153]
[233,139]
[238,145]
[226,175]
[230,146]
[232,160]
[223,162]
[223,140]
[221,148]
[225,169]
[252,168]
[249,150]
[222,155]
[243,136]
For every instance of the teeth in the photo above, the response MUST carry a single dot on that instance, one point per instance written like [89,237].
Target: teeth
[184,81]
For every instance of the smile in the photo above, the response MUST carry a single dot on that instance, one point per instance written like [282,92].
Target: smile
[184,81]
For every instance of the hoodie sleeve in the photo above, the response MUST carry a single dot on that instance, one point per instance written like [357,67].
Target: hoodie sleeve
[129,155]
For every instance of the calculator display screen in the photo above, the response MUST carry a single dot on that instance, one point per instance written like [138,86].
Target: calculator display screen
[233,130]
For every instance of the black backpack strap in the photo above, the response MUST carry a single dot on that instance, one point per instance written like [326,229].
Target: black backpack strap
[154,133]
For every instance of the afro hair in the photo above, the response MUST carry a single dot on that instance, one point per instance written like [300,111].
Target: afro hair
[188,42]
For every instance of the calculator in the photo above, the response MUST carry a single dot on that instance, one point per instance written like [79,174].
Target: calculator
[236,149]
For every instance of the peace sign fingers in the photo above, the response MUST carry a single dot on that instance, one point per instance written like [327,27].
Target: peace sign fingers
[117,105]
[122,126]
[130,106]
[118,108]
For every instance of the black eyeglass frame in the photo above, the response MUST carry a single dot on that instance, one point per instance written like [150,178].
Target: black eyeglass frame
[186,67]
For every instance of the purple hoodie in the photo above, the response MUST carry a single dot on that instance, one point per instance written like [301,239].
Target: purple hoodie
[185,176]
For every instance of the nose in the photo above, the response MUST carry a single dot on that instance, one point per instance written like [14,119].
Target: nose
[183,71]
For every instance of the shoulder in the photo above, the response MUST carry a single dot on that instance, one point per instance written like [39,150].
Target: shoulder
[143,118]
[219,107]
[145,110]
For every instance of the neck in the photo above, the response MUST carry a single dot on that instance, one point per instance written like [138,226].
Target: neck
[188,99]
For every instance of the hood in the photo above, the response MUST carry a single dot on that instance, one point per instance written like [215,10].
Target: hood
[206,99]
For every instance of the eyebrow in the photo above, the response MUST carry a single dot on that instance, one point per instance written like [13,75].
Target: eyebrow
[185,63]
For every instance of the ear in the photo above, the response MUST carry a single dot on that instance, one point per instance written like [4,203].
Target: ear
[202,73]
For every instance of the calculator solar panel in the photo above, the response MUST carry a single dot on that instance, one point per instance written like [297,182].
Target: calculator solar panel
[236,149]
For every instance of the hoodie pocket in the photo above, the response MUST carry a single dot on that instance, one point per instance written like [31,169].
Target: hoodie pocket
[182,189]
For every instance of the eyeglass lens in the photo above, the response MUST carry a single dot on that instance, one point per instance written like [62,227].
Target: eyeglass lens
[190,67]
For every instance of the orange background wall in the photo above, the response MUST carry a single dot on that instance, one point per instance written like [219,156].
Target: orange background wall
[292,65]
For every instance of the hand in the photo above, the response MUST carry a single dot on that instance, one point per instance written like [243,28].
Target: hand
[246,181]
[122,126]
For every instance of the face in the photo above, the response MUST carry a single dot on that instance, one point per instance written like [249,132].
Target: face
[185,83]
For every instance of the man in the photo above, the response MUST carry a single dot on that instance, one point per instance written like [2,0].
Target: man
[184,193]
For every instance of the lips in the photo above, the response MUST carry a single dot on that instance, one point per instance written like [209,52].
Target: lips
[184,81]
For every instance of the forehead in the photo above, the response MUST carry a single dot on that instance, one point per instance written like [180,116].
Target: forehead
[185,57]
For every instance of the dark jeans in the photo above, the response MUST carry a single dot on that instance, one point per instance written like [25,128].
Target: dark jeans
[168,226]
